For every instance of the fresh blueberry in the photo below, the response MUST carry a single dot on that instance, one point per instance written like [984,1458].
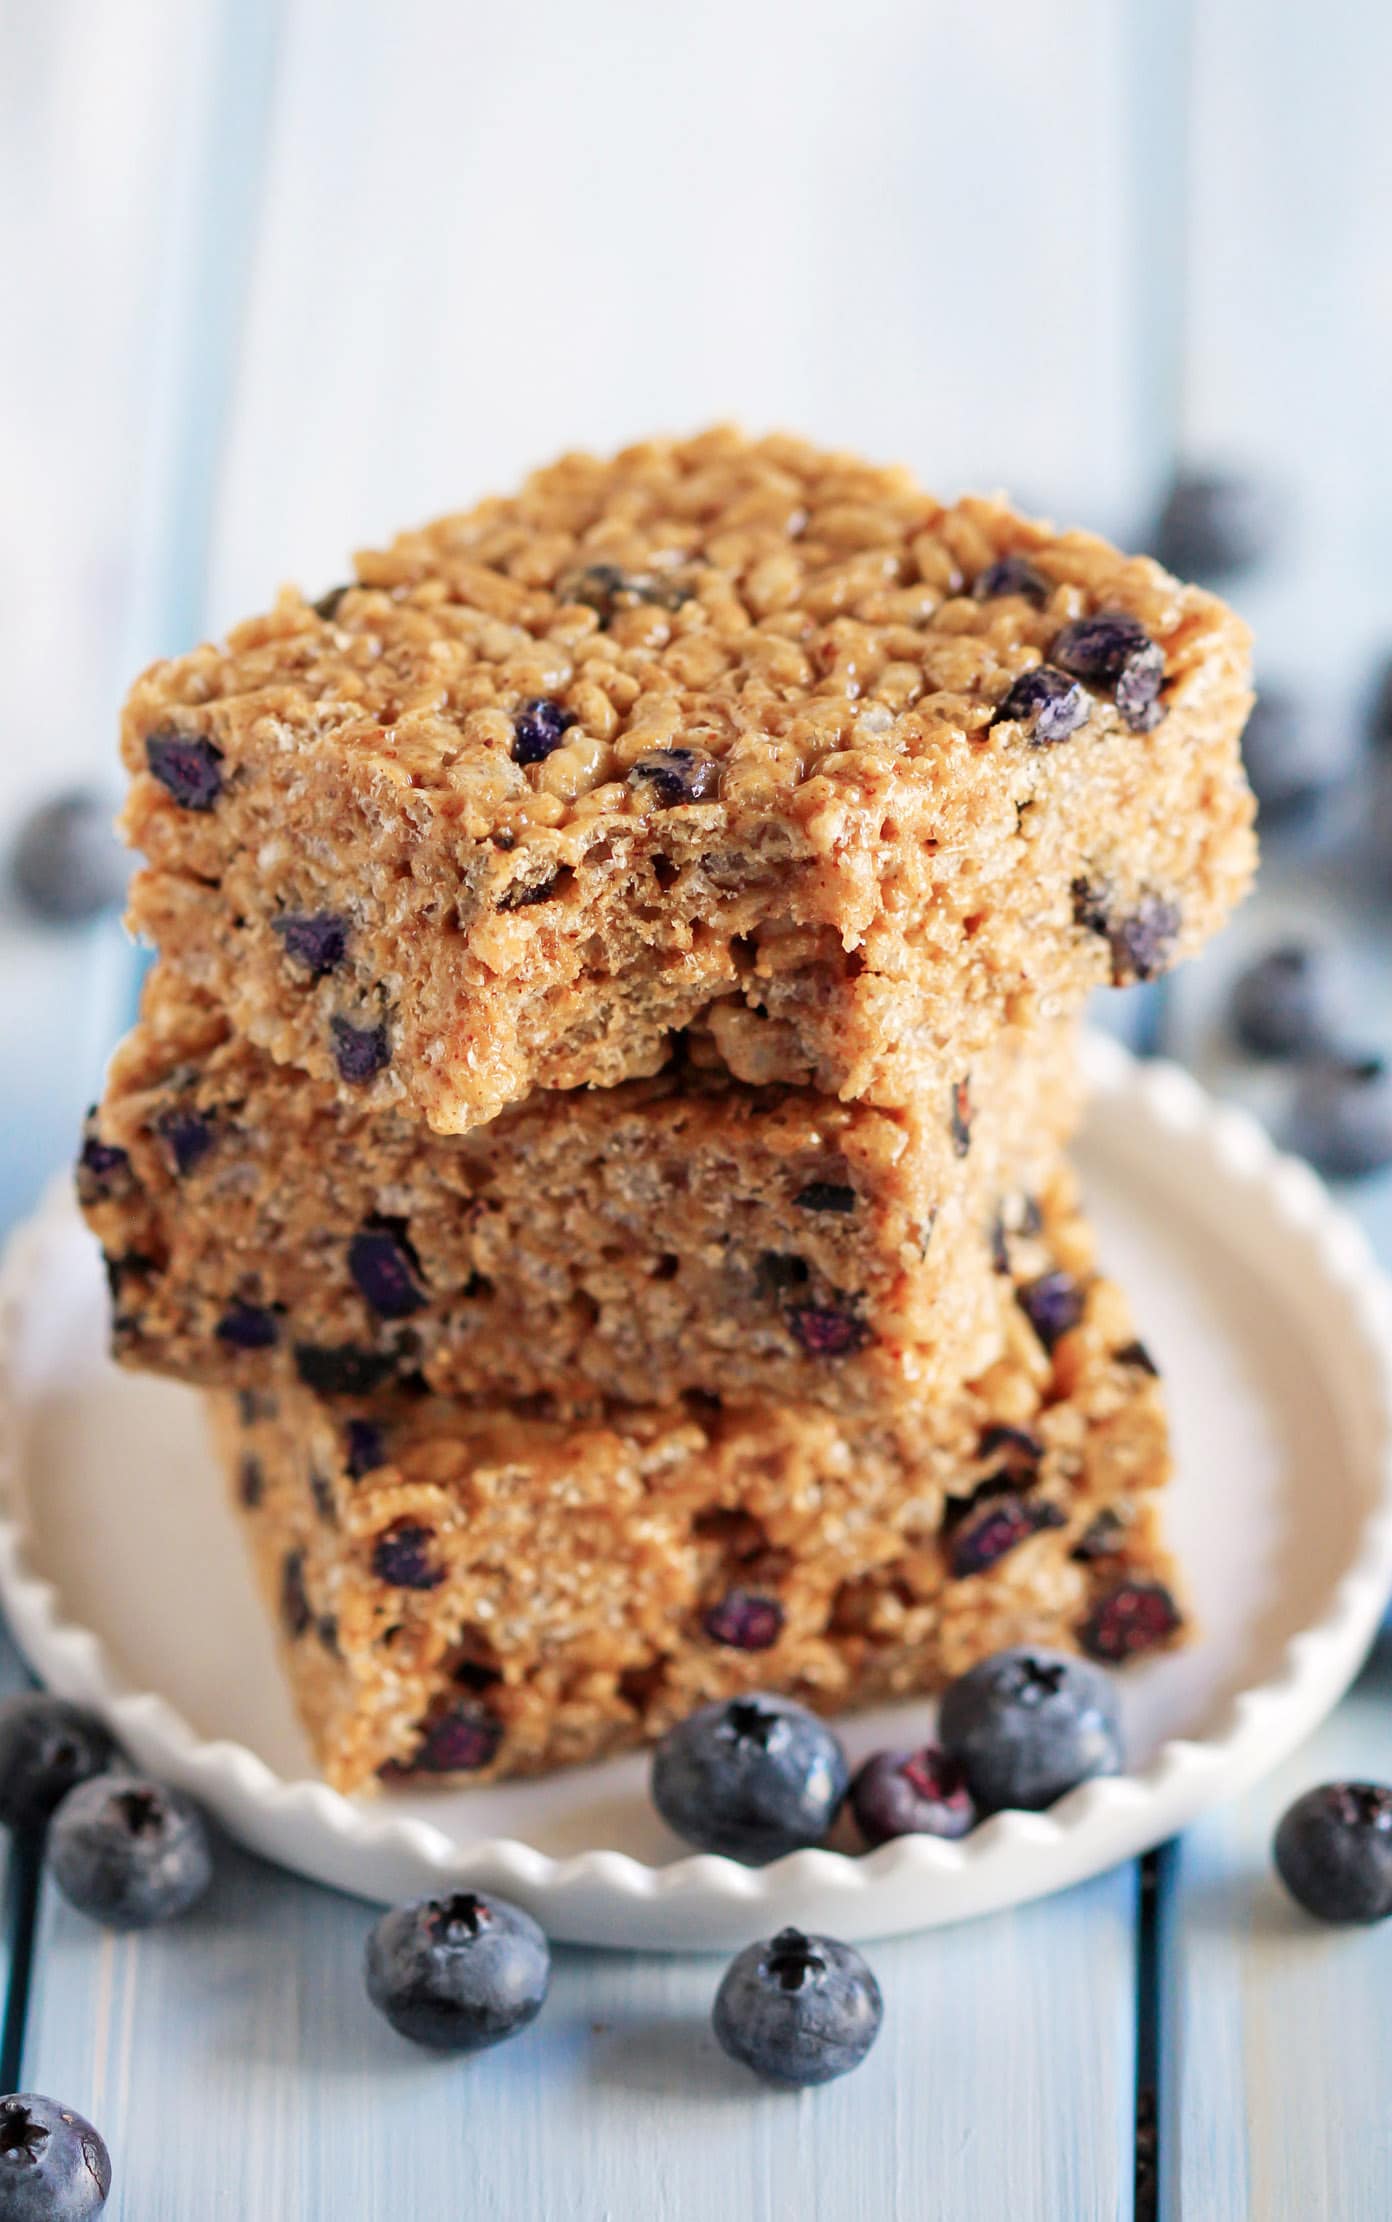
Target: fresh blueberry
[67,863]
[798,2010]
[825,1195]
[459,1741]
[1053,1305]
[360,1052]
[47,1747]
[1217,524]
[188,767]
[745,1621]
[128,1851]
[401,1556]
[825,1331]
[248,1327]
[459,1972]
[367,1447]
[1334,1851]
[676,775]
[1280,1005]
[1050,703]
[539,728]
[1293,756]
[54,2167]
[1341,1116]
[1027,1726]
[342,1369]
[1131,1619]
[1114,650]
[911,1793]
[386,1269]
[1011,574]
[316,940]
[752,1777]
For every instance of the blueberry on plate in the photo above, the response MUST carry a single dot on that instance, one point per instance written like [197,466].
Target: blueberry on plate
[129,1852]
[1281,1004]
[751,1777]
[67,863]
[911,1793]
[47,1747]
[1028,1725]
[54,2167]
[798,2010]
[458,1972]
[1217,524]
[1333,1851]
[1341,1116]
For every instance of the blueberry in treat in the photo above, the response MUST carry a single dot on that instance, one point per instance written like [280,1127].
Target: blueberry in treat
[187,1137]
[248,1327]
[296,1612]
[826,1331]
[187,766]
[367,1447]
[960,1118]
[826,1195]
[1129,1620]
[1050,703]
[1341,1116]
[128,1851]
[1027,1726]
[1281,1005]
[459,1972]
[539,727]
[1101,1538]
[457,1742]
[328,604]
[676,775]
[316,940]
[911,1793]
[1143,940]
[254,1405]
[1333,1851]
[54,2167]
[321,1490]
[1053,1305]
[1217,524]
[996,1521]
[751,1777]
[1114,650]
[67,863]
[1012,574]
[46,1748]
[745,1621]
[360,1052]
[386,1269]
[607,590]
[1136,1354]
[798,2010]
[102,1168]
[251,1481]
[342,1369]
[401,1556]
[1018,1449]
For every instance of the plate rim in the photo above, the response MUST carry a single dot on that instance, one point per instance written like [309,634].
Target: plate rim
[1142,1807]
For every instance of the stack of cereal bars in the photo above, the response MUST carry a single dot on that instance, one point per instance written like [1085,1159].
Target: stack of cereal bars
[596,1125]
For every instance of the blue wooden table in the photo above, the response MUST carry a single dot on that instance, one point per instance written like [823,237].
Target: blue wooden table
[298,270]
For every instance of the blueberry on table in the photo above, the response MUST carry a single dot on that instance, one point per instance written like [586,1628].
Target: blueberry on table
[129,1852]
[459,1972]
[1341,1116]
[54,2167]
[1333,1851]
[1028,1725]
[1280,1005]
[1218,524]
[798,2010]
[67,863]
[47,1747]
[911,1793]
[750,1777]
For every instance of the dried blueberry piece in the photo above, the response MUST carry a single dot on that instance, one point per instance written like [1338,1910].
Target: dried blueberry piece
[254,1405]
[367,1448]
[521,895]
[359,1051]
[315,939]
[1341,1116]
[824,1331]
[1114,650]
[1216,524]
[745,1621]
[1019,1450]
[783,1269]
[294,1600]
[1053,1305]
[321,1490]
[539,728]
[677,775]
[997,1522]
[1142,943]
[1011,574]
[1132,1618]
[101,1166]
[1048,701]
[1281,1004]
[326,1629]
[1091,907]
[328,604]
[1101,1538]
[67,863]
[961,1118]
[826,1195]
[1000,1246]
[401,1556]
[187,766]
[459,1742]
[248,1327]
[1135,1354]
[342,1369]
[187,1137]
[385,1268]
[596,586]
[251,1481]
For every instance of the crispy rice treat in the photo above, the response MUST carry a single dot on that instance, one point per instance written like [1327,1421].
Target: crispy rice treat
[684,1232]
[717,727]
[465,1595]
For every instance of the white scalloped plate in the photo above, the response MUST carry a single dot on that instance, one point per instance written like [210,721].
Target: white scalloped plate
[125,1582]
